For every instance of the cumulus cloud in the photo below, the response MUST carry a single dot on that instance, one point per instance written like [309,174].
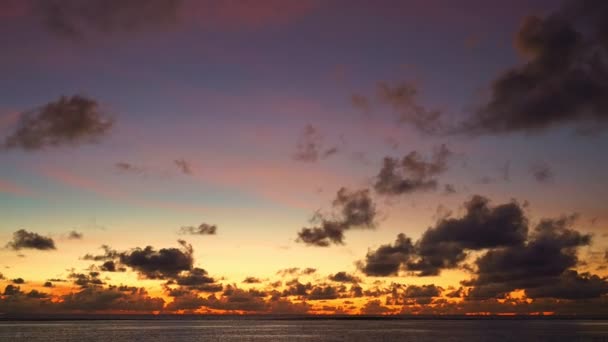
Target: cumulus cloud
[563,79]
[310,147]
[202,229]
[412,173]
[355,210]
[542,266]
[22,239]
[387,259]
[343,277]
[67,121]
[159,264]
[446,244]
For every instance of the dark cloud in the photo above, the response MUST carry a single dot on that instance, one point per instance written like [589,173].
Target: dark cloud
[184,166]
[355,210]
[542,172]
[251,280]
[343,277]
[74,235]
[563,80]
[413,294]
[108,255]
[86,279]
[415,291]
[202,229]
[67,121]
[387,259]
[194,277]
[110,299]
[47,284]
[234,299]
[323,292]
[403,98]
[542,266]
[294,271]
[445,245]
[23,239]
[74,19]
[111,266]
[412,173]
[159,264]
[482,226]
[310,147]
[18,281]
[375,307]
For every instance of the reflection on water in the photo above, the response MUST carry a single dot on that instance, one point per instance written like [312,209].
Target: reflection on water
[303,330]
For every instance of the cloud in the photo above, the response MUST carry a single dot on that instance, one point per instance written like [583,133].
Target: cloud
[412,173]
[74,235]
[414,294]
[563,80]
[251,280]
[295,271]
[23,239]
[76,19]
[68,121]
[159,264]
[403,98]
[196,279]
[446,244]
[86,279]
[310,147]
[541,266]
[128,167]
[175,265]
[111,299]
[202,229]
[387,259]
[184,166]
[234,299]
[355,209]
[343,277]
[542,172]
[375,307]
[109,254]
[18,281]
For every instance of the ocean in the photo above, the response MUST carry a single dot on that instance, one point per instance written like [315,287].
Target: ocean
[304,330]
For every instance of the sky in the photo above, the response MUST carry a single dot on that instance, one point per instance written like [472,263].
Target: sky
[303,157]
